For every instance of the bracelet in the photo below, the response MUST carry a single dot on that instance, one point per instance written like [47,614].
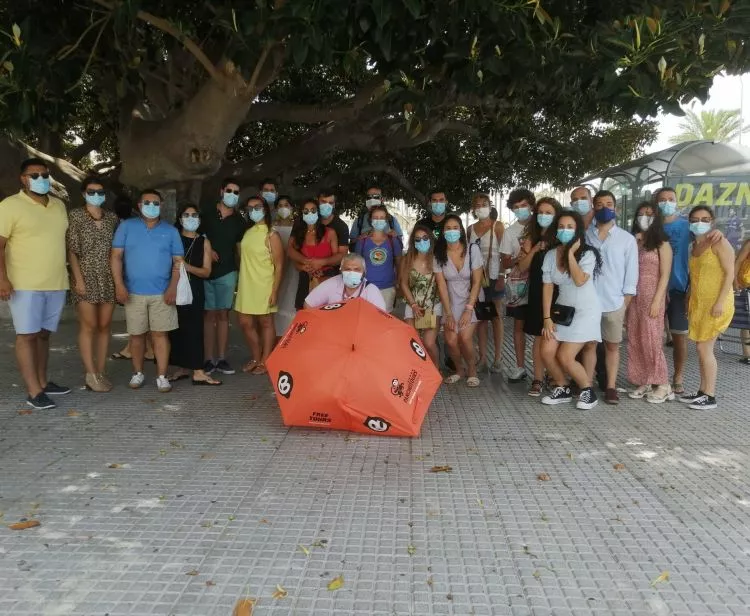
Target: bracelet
[547,318]
[469,306]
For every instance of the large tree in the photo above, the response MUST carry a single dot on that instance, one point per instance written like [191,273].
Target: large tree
[468,93]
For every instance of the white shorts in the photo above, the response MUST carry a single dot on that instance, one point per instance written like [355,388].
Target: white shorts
[389,295]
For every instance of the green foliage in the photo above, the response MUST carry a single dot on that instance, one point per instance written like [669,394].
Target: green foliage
[721,125]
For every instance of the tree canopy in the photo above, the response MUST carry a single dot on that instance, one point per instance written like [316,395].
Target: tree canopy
[462,94]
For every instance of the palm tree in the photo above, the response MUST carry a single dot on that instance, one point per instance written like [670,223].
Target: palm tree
[722,125]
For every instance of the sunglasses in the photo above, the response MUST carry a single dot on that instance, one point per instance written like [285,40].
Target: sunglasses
[91,192]
[36,176]
[147,202]
[374,196]
[229,190]
[193,215]
[420,238]
[306,211]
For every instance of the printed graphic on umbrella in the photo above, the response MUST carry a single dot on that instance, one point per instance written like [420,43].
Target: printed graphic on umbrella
[350,366]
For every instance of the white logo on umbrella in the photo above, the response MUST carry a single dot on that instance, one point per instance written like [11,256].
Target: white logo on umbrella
[418,349]
[284,384]
[377,424]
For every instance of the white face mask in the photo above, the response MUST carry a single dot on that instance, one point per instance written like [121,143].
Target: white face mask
[644,222]
[482,213]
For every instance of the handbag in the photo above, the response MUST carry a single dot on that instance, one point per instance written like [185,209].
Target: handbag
[517,287]
[562,315]
[184,292]
[484,310]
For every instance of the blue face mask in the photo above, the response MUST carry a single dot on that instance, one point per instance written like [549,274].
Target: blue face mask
[230,199]
[438,208]
[270,197]
[545,220]
[190,224]
[40,185]
[452,235]
[151,210]
[605,215]
[95,200]
[582,206]
[565,235]
[422,246]
[380,225]
[257,215]
[700,228]
[522,213]
[352,279]
[310,218]
[668,208]
[326,209]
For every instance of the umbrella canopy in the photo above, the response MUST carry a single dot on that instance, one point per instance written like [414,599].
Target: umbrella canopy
[349,366]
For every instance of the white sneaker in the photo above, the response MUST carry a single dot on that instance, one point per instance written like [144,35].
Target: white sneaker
[516,374]
[497,367]
[136,381]
[162,384]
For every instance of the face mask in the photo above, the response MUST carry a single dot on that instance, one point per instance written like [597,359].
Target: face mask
[482,213]
[565,235]
[380,225]
[370,203]
[605,215]
[545,220]
[668,208]
[230,199]
[40,185]
[700,228]
[452,235]
[310,218]
[352,279]
[523,214]
[95,200]
[151,211]
[270,197]
[644,222]
[190,224]
[284,212]
[326,209]
[422,246]
[438,208]
[582,206]
[257,215]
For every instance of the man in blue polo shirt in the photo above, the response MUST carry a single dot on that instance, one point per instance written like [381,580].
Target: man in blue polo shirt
[146,257]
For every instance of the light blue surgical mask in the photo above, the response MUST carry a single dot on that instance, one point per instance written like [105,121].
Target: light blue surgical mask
[452,235]
[40,185]
[230,199]
[257,215]
[522,213]
[151,210]
[438,208]
[380,225]
[422,246]
[545,220]
[270,197]
[667,208]
[95,200]
[310,218]
[565,235]
[582,206]
[700,228]
[190,224]
[352,279]
[325,209]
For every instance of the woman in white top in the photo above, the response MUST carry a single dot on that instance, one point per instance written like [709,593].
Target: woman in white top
[283,223]
[488,233]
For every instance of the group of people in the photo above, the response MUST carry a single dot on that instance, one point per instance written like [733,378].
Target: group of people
[568,276]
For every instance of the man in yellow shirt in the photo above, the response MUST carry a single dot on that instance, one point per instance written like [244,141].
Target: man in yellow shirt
[33,275]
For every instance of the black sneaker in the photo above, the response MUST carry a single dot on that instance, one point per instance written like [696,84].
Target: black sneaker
[587,399]
[703,403]
[559,395]
[690,398]
[53,389]
[223,366]
[209,367]
[40,402]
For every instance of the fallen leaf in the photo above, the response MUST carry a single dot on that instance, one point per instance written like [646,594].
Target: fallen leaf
[210,583]
[419,458]
[429,581]
[543,477]
[244,607]
[162,452]
[664,577]
[192,572]
[317,544]
[619,467]
[162,498]
[25,412]
[280,592]
[264,521]
[536,574]
[207,456]
[304,550]
[570,455]
[263,439]
[73,413]
[25,525]
[411,550]
[114,465]
[336,583]
[176,444]
[441,469]
[231,518]
[207,524]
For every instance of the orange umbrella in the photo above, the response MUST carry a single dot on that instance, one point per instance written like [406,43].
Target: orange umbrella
[350,366]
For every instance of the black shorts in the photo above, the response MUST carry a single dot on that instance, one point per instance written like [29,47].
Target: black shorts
[678,321]
[517,312]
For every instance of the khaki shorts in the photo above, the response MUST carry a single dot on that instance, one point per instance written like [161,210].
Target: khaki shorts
[149,313]
[389,295]
[612,323]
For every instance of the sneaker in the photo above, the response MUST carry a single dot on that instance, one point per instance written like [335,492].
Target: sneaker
[136,381]
[223,366]
[497,367]
[690,398]
[559,395]
[40,402]
[587,400]
[53,389]
[703,403]
[745,360]
[641,392]
[209,366]
[516,375]
[163,384]
[610,396]
[536,389]
[661,394]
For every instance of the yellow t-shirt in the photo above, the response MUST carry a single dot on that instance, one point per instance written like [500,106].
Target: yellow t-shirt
[35,255]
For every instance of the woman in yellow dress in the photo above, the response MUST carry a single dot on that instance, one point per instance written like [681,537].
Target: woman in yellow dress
[710,301]
[261,272]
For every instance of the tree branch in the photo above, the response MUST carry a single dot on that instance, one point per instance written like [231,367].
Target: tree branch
[395,174]
[90,144]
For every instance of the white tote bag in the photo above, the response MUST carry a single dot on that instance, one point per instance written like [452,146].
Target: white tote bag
[184,292]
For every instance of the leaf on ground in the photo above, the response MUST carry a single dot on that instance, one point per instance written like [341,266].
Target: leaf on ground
[303,549]
[25,412]
[244,607]
[619,467]
[25,524]
[192,572]
[162,452]
[429,581]
[207,456]
[336,583]
[263,439]
[114,465]
[411,550]
[207,524]
[210,583]
[536,574]
[280,592]
[317,544]
[176,444]
[264,521]
[231,518]
[73,413]
[543,477]
[441,469]
[664,577]
[569,455]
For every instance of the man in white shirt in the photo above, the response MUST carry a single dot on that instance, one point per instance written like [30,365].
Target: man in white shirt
[616,285]
[521,202]
[349,284]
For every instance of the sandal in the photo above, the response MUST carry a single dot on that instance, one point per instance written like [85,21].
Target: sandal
[207,381]
[259,369]
[472,381]
[178,377]
[452,379]
[249,366]
[678,389]
[119,355]
[536,388]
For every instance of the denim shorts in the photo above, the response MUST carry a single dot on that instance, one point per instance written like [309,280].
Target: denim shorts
[33,311]
[220,292]
[491,294]
[678,321]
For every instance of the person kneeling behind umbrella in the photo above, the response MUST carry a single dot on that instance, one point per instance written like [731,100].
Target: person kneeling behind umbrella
[349,284]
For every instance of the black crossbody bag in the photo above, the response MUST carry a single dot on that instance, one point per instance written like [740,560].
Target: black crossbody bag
[485,310]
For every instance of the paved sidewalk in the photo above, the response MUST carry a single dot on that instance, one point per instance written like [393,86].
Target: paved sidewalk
[181,504]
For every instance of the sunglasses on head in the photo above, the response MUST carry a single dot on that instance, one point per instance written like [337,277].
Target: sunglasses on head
[193,215]
[36,176]
[229,190]
[147,202]
[92,192]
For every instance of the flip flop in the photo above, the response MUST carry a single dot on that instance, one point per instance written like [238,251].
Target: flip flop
[259,369]
[119,355]
[208,382]
[249,366]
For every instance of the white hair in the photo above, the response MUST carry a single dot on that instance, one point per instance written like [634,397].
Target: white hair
[353,256]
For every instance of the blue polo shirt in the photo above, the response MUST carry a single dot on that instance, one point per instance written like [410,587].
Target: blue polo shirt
[147,255]
[678,232]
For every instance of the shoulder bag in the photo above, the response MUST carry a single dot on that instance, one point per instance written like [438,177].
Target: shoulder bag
[484,310]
